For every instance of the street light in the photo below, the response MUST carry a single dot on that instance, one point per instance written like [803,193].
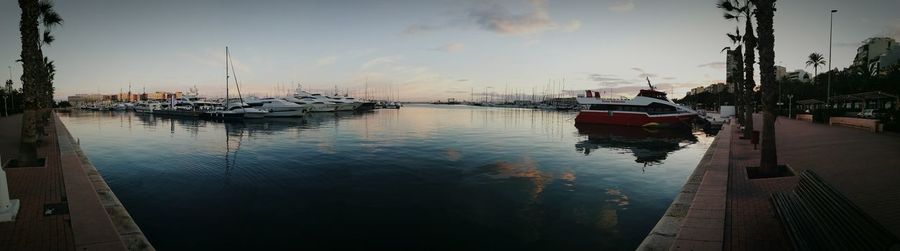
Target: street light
[830,37]
[790,105]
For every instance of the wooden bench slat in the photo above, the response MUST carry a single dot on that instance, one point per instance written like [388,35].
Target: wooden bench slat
[818,217]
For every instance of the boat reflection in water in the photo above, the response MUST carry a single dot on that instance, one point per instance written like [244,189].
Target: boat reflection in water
[650,146]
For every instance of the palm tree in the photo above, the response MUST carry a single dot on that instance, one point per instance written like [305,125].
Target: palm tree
[735,10]
[37,87]
[765,12]
[736,74]
[815,59]
[49,18]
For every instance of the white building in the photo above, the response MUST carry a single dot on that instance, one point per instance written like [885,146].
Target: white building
[798,75]
[780,72]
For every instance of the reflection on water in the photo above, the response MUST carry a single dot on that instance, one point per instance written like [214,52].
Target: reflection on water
[650,146]
[422,177]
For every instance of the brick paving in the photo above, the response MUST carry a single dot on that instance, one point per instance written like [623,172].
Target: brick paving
[96,220]
[34,187]
[862,165]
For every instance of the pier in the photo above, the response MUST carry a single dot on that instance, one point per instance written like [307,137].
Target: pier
[860,164]
[66,204]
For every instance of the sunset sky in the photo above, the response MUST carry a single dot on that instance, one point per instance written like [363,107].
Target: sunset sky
[427,50]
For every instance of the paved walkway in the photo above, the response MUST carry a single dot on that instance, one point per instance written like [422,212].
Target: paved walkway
[34,187]
[95,220]
[862,165]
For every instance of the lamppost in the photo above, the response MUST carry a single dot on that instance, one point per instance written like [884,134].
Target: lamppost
[790,105]
[830,37]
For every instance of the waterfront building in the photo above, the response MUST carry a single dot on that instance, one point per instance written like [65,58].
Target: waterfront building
[780,72]
[81,99]
[877,54]
[163,96]
[731,64]
[798,75]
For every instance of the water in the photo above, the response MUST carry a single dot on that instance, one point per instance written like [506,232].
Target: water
[422,177]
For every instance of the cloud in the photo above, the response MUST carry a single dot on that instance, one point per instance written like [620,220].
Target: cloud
[418,28]
[573,25]
[376,62]
[643,74]
[607,79]
[622,6]
[215,57]
[713,65]
[496,18]
[499,19]
[326,61]
[451,47]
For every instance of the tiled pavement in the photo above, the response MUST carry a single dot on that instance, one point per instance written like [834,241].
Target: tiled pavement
[96,219]
[34,187]
[862,165]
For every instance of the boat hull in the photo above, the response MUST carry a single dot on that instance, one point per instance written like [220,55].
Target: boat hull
[286,113]
[634,118]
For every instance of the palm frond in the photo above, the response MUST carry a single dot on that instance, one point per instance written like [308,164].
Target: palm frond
[47,38]
[49,17]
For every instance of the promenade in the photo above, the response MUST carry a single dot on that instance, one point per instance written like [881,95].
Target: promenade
[862,165]
[65,205]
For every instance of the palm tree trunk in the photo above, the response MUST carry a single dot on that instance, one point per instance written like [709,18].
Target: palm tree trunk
[32,73]
[749,83]
[738,90]
[739,81]
[765,11]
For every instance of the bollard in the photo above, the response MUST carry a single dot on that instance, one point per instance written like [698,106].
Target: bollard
[755,139]
[8,208]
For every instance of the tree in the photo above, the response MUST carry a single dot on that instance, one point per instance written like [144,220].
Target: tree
[37,87]
[735,10]
[765,12]
[815,59]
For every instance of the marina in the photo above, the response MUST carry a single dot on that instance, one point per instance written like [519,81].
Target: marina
[367,177]
[450,125]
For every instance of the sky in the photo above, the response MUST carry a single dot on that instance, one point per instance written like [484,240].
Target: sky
[422,50]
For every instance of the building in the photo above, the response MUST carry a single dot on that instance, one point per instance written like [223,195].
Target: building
[717,88]
[698,90]
[780,72]
[83,99]
[871,49]
[162,96]
[731,64]
[877,54]
[798,75]
[886,60]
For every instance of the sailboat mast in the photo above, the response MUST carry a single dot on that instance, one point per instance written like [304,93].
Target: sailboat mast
[226,77]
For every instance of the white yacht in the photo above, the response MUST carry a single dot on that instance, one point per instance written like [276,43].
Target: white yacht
[147,107]
[243,108]
[345,103]
[279,107]
[315,101]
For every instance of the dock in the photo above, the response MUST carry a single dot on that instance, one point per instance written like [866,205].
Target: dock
[65,204]
[864,166]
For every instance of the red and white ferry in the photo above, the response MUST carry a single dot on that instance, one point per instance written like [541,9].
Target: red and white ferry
[649,108]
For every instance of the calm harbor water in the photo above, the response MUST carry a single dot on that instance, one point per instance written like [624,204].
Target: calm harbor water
[422,177]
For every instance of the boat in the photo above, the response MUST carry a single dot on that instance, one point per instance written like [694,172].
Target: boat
[146,107]
[316,102]
[650,108]
[344,103]
[278,107]
[234,109]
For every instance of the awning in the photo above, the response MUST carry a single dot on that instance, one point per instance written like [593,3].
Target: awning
[864,96]
[809,102]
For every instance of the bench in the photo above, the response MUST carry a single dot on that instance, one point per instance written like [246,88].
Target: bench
[805,117]
[861,123]
[818,217]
